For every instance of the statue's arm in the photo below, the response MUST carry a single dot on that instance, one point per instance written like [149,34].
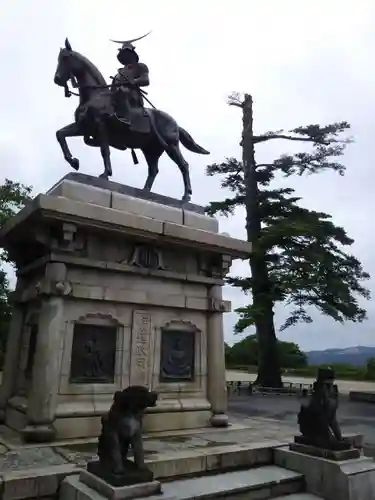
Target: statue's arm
[142,78]
[115,82]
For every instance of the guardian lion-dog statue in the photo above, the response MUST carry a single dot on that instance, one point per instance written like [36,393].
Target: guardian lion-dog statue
[122,429]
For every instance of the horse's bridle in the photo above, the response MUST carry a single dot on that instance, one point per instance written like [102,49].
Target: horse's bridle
[69,93]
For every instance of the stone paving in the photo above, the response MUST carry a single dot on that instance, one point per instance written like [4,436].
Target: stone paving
[14,455]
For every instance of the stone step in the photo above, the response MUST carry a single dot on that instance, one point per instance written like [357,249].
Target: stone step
[261,483]
[30,481]
[212,459]
[299,496]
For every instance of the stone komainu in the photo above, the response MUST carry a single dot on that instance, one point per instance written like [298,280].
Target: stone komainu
[317,417]
[122,429]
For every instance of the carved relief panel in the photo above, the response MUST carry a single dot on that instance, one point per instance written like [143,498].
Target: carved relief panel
[93,354]
[177,355]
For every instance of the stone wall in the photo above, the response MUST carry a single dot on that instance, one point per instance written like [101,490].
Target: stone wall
[114,291]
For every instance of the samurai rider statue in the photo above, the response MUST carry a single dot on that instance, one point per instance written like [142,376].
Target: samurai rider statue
[127,96]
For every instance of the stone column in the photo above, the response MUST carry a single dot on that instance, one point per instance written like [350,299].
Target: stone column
[42,399]
[11,363]
[217,393]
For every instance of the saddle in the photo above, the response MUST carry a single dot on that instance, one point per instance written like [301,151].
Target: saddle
[137,121]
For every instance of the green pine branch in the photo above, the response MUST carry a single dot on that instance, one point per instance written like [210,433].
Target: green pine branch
[304,251]
[13,197]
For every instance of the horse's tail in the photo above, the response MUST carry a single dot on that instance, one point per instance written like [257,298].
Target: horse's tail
[190,144]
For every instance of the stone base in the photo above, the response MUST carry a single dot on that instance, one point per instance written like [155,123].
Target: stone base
[324,453]
[333,445]
[83,423]
[117,492]
[89,426]
[38,433]
[219,420]
[132,474]
[330,479]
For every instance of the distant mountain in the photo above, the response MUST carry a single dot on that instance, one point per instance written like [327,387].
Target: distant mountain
[350,356]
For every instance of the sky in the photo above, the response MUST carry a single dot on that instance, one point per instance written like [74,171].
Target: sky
[302,62]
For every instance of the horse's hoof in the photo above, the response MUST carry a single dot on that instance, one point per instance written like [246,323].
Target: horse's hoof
[186,198]
[74,162]
[103,176]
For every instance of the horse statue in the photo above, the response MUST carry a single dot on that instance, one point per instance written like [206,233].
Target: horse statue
[99,126]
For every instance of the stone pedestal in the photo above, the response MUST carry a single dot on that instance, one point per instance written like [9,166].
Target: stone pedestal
[351,479]
[337,455]
[111,492]
[115,287]
[132,475]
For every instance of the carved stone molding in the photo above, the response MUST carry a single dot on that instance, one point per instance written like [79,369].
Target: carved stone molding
[94,318]
[147,257]
[219,305]
[215,266]
[180,324]
[62,237]
[52,287]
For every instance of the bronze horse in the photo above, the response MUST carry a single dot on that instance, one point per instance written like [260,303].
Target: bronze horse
[96,122]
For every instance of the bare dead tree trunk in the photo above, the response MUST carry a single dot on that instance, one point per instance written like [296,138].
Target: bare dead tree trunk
[269,374]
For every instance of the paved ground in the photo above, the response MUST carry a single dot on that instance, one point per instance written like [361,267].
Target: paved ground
[255,418]
[345,386]
[353,417]
[15,456]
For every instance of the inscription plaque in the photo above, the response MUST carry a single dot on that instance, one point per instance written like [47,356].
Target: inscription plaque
[93,354]
[141,336]
[177,356]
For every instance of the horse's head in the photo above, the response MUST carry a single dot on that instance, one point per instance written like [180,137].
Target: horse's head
[65,65]
[73,66]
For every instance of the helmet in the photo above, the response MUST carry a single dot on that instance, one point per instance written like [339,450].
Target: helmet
[127,45]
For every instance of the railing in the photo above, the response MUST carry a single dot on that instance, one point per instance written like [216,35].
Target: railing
[249,389]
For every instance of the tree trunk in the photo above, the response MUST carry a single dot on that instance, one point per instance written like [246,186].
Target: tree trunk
[269,373]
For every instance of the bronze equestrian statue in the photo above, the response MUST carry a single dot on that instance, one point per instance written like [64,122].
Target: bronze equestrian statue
[114,115]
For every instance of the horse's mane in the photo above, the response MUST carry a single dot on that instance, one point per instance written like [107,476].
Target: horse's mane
[92,68]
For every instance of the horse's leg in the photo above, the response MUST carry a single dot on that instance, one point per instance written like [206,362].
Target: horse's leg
[152,155]
[102,137]
[175,154]
[72,130]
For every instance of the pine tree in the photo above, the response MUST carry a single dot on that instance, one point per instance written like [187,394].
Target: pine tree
[13,197]
[298,254]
